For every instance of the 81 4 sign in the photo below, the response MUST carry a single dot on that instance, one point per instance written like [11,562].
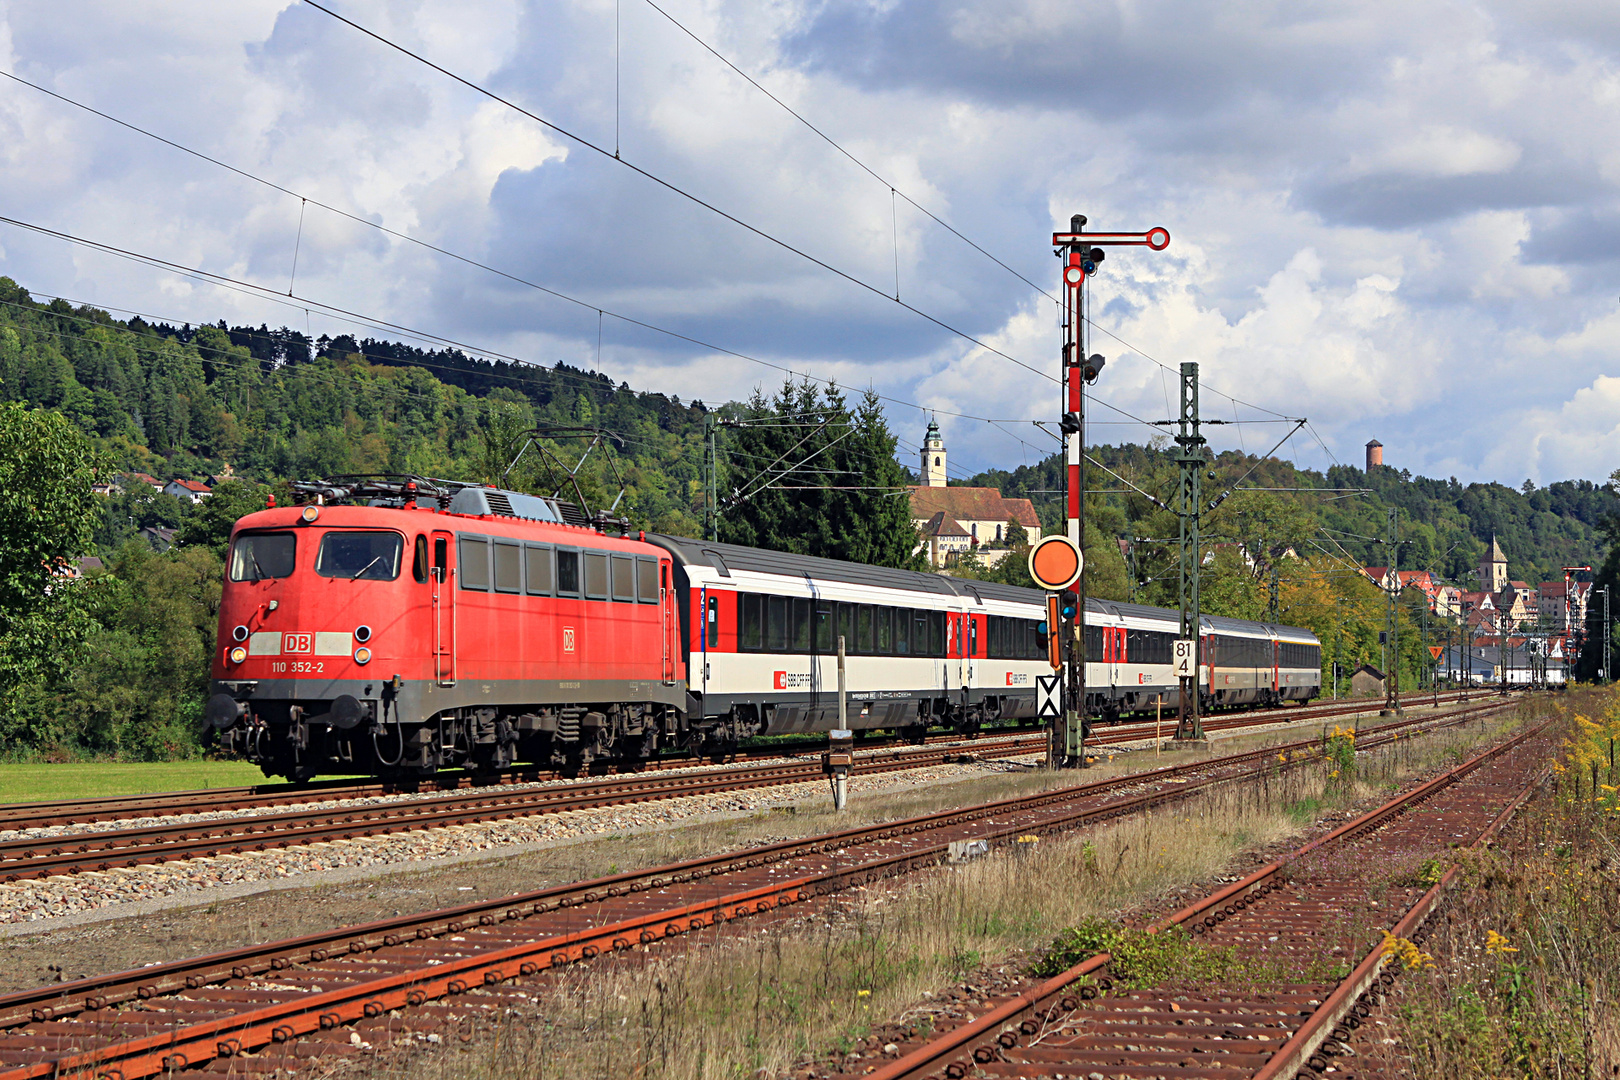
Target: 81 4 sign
[1181,658]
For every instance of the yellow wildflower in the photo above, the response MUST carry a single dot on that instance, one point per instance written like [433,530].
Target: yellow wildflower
[1406,952]
[1496,944]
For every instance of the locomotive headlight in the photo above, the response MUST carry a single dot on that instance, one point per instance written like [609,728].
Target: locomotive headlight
[238,655]
[362,656]
[239,634]
[311,512]
[362,634]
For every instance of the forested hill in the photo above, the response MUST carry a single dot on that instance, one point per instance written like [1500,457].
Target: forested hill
[272,404]
[1445,525]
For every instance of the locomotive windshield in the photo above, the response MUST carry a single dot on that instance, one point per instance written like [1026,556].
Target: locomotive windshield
[257,556]
[370,555]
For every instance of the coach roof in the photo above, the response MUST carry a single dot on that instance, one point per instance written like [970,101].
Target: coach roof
[725,558]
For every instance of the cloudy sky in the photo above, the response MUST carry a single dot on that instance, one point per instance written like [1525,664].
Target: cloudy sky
[1396,219]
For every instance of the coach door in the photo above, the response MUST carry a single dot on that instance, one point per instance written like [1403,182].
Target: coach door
[1113,652]
[444,610]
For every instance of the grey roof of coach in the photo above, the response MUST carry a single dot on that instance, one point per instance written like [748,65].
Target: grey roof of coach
[727,557]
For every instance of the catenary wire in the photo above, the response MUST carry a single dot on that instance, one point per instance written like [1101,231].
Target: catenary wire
[676,189]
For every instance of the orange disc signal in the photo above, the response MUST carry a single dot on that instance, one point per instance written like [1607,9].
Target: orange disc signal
[1055,562]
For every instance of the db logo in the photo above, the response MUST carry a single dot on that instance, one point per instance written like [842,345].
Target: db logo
[568,639]
[298,643]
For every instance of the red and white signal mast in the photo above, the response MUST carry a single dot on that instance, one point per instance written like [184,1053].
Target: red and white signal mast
[1081,253]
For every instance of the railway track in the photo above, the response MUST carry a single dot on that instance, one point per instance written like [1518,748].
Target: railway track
[1283,1015]
[259,1008]
[45,814]
[107,849]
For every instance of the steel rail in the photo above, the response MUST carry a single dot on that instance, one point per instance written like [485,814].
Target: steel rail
[279,1023]
[49,813]
[128,848]
[956,1053]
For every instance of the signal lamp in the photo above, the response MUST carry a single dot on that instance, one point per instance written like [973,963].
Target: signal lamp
[240,633]
[362,656]
[362,634]
[311,512]
[1093,367]
[238,655]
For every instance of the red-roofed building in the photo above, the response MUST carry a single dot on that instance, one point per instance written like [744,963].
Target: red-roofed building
[189,490]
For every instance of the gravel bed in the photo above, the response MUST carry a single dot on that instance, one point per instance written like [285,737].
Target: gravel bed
[27,902]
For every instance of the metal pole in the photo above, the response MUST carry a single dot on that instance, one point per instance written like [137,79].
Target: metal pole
[1191,458]
[711,521]
[1074,435]
[1392,672]
[840,743]
[1605,634]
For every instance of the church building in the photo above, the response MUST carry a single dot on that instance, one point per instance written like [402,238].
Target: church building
[953,520]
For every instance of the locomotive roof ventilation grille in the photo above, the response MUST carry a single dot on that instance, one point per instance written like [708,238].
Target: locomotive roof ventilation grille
[477,500]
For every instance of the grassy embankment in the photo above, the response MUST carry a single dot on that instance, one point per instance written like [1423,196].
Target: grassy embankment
[1521,977]
[35,783]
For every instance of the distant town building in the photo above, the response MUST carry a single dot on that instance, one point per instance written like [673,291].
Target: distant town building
[142,478]
[951,520]
[189,490]
[1493,573]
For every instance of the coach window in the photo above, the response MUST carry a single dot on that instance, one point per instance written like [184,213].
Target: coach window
[419,565]
[885,630]
[596,574]
[538,560]
[776,623]
[800,640]
[646,580]
[508,566]
[750,622]
[863,629]
[623,574]
[473,555]
[846,628]
[936,633]
[257,556]
[902,632]
[824,623]
[567,572]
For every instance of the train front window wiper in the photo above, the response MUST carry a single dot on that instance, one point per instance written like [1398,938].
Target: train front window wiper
[375,560]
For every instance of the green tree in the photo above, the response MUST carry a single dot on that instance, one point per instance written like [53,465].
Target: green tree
[208,523]
[48,513]
[810,475]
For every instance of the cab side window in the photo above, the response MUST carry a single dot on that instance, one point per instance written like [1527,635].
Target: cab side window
[419,564]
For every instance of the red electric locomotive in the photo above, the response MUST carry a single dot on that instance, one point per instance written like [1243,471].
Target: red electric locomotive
[411,625]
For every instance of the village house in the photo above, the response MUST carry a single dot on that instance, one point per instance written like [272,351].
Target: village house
[189,490]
